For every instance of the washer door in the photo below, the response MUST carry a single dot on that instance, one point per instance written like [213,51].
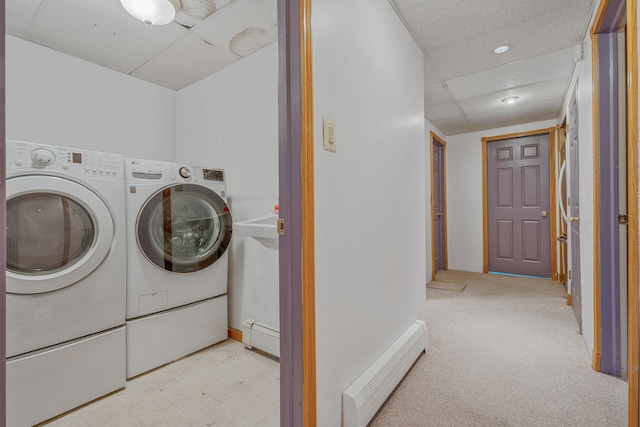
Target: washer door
[58,232]
[184,228]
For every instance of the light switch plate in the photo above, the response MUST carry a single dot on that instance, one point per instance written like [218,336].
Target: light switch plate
[329,135]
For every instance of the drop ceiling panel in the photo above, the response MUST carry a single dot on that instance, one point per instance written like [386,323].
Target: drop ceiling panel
[18,14]
[543,34]
[100,31]
[242,27]
[453,126]
[436,93]
[526,95]
[185,62]
[443,111]
[455,20]
[544,110]
[430,75]
[519,73]
[194,12]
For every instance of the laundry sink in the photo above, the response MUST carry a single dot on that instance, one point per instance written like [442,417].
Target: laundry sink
[263,229]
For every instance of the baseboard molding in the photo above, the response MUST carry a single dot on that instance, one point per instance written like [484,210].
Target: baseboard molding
[235,334]
[569,300]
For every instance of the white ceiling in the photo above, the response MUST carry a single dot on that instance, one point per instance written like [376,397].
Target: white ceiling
[464,80]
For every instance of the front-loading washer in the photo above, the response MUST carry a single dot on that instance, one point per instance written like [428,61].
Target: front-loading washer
[65,280]
[179,228]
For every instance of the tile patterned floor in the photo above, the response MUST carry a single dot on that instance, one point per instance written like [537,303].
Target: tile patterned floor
[223,385]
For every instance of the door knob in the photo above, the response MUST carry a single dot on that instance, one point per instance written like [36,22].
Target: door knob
[439,213]
[544,214]
[574,218]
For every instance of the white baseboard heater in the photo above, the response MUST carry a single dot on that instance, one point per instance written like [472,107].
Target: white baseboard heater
[259,335]
[364,397]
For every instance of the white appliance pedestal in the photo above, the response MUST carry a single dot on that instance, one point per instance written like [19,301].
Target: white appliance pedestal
[46,383]
[161,338]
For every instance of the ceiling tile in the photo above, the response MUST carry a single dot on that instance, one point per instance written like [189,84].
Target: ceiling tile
[526,95]
[242,27]
[430,75]
[184,63]
[544,110]
[520,73]
[194,12]
[18,14]
[543,34]
[453,125]
[443,111]
[436,93]
[101,32]
[454,20]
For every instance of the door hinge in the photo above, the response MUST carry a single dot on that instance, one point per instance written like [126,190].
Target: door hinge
[280,226]
[623,219]
[569,275]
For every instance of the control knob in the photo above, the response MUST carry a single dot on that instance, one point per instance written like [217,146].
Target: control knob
[43,157]
[184,172]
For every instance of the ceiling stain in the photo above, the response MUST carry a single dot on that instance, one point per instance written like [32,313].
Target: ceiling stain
[198,9]
[252,39]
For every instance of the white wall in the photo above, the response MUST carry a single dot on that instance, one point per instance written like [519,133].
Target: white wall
[53,98]
[370,194]
[464,194]
[230,120]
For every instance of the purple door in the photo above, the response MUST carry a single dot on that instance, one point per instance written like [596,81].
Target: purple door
[574,212]
[518,206]
[437,202]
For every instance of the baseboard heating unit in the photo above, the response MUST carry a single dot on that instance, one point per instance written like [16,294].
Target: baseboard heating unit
[261,336]
[364,397]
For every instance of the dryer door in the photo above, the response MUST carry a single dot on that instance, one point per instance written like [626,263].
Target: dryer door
[184,228]
[58,232]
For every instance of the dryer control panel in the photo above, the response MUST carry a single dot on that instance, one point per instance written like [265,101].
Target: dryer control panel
[29,156]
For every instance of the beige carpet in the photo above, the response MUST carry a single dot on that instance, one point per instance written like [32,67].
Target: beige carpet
[504,351]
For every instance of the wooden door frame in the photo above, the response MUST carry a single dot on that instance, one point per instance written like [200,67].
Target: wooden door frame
[633,274]
[435,139]
[296,193]
[552,194]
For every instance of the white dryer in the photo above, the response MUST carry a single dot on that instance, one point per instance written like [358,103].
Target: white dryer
[66,286]
[179,229]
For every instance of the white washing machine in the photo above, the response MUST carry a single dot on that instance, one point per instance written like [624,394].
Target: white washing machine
[66,281]
[179,229]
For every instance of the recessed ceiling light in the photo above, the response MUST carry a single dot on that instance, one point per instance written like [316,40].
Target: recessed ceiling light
[510,100]
[501,49]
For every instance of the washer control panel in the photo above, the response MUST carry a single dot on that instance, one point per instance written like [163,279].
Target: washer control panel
[27,155]
[142,171]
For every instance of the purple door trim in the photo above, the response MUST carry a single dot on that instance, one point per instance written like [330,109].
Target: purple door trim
[3,283]
[290,190]
[609,206]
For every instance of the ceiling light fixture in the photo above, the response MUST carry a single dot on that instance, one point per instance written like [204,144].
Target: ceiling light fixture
[501,49]
[510,100]
[152,12]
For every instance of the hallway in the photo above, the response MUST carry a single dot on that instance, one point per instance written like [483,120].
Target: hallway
[503,351]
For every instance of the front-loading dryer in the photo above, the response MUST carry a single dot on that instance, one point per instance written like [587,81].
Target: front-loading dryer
[65,281]
[179,229]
